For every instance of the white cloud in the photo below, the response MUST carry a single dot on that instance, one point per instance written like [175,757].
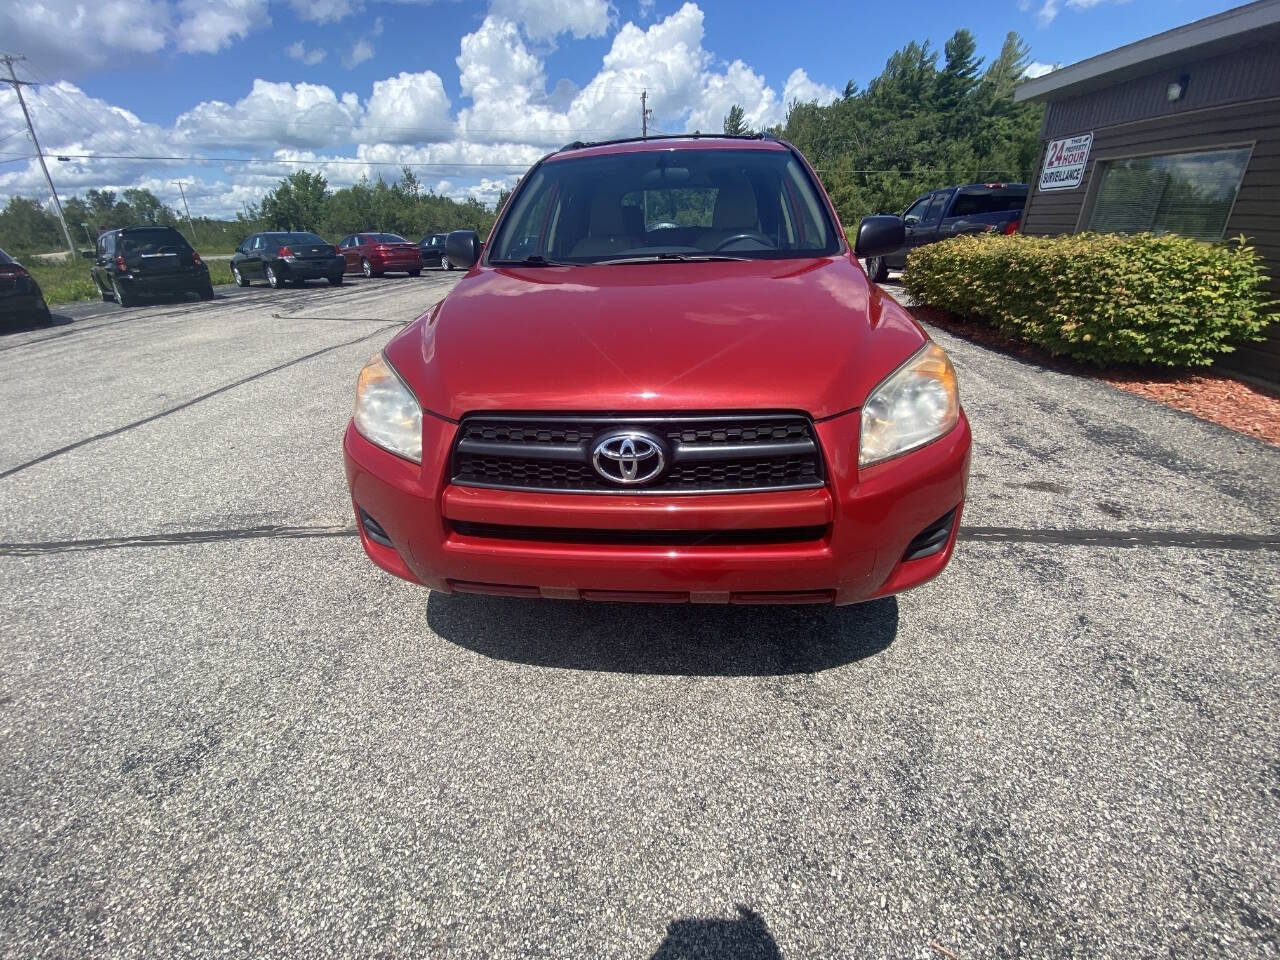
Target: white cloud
[325,11]
[361,51]
[800,89]
[70,35]
[299,115]
[298,51]
[511,113]
[409,108]
[208,26]
[646,9]
[547,19]
[1050,9]
[1038,69]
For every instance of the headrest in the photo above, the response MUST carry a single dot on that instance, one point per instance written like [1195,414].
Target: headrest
[735,208]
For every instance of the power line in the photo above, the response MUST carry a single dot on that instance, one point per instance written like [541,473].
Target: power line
[313,162]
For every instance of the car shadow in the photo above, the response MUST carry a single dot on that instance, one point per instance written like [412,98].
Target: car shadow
[746,937]
[666,639]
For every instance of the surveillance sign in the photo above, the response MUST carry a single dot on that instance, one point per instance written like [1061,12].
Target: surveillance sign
[1064,162]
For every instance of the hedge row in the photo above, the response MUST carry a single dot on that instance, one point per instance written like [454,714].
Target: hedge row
[1106,299]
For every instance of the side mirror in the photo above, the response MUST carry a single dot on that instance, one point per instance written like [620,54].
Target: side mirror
[463,247]
[89,254]
[880,235]
[910,221]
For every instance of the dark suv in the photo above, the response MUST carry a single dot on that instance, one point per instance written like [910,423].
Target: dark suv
[133,262]
[280,258]
[973,208]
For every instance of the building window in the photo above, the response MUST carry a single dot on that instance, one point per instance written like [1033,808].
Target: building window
[1186,193]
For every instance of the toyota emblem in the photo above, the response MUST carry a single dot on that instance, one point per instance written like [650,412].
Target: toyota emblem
[629,457]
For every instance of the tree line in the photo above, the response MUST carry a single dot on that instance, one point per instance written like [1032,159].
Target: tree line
[930,119]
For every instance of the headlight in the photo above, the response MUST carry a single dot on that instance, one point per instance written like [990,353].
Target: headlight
[917,403]
[387,413]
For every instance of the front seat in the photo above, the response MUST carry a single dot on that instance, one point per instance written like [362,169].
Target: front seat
[735,212]
[606,230]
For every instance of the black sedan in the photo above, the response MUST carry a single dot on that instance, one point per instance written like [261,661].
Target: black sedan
[20,296]
[281,258]
[432,247]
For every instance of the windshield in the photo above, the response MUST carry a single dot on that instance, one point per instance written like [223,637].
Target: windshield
[388,238]
[159,240]
[670,203]
[286,238]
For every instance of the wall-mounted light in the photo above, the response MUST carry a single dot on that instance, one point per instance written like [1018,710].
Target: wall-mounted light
[1178,89]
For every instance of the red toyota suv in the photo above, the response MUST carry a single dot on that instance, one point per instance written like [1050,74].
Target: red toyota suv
[667,378]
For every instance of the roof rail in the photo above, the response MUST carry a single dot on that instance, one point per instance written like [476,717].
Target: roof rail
[582,144]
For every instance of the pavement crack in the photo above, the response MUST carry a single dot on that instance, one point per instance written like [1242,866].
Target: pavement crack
[176,538]
[193,401]
[1195,539]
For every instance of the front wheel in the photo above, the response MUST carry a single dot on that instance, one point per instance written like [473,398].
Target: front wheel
[445,264]
[335,281]
[273,279]
[877,269]
[240,279]
[367,269]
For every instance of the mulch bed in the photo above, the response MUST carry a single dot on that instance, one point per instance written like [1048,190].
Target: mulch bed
[1219,399]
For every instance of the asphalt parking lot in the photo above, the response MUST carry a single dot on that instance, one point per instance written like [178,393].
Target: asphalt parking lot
[225,733]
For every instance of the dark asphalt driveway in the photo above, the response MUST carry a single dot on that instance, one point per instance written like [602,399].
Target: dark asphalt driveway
[224,733]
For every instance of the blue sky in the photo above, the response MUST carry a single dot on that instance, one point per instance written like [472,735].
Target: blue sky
[471,91]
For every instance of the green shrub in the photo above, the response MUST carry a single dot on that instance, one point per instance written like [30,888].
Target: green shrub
[1103,298]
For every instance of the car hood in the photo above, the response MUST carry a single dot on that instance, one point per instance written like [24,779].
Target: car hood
[811,335]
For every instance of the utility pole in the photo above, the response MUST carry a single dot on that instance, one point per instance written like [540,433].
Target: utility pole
[188,209]
[17,85]
[645,113]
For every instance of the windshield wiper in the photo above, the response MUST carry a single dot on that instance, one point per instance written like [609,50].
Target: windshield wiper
[533,260]
[671,258]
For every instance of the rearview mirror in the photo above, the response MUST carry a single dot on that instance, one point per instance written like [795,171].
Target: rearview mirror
[463,247]
[88,254]
[879,235]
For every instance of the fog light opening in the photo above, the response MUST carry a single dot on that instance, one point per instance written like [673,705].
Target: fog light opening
[373,530]
[932,539]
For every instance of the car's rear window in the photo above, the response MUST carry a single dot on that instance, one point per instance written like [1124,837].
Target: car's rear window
[297,238]
[988,201]
[388,238]
[730,202]
[159,240]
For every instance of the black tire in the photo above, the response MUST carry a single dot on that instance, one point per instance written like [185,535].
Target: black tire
[335,281]
[366,268]
[415,273]
[240,278]
[123,296]
[106,295]
[273,280]
[877,269]
[445,264]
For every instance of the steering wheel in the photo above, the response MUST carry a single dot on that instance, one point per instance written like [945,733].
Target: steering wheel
[746,235]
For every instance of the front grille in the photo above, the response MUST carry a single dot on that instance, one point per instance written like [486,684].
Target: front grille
[703,453]
[642,538]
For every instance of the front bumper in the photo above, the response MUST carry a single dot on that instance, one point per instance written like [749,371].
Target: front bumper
[857,529]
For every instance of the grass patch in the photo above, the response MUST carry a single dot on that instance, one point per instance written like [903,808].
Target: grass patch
[67,281]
